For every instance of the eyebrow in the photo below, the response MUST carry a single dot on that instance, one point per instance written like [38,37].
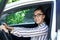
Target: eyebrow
[40,14]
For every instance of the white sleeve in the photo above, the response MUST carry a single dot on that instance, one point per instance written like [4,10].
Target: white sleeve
[21,32]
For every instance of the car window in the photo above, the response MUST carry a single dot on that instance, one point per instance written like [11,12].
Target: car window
[24,14]
[20,16]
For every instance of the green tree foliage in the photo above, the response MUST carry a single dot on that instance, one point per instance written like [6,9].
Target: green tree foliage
[0,0]
[16,18]
[10,1]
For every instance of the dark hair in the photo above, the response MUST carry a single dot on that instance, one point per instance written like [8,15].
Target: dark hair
[46,11]
[40,8]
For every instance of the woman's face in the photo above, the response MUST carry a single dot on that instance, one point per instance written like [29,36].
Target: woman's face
[39,16]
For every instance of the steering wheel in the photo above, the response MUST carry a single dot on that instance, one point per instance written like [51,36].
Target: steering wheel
[4,35]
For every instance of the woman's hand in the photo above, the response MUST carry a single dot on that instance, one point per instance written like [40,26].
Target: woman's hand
[5,27]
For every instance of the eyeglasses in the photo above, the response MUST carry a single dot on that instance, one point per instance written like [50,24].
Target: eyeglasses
[38,15]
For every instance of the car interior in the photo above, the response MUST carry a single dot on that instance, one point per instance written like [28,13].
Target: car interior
[26,19]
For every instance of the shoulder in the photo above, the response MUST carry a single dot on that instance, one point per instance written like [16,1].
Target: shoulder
[43,27]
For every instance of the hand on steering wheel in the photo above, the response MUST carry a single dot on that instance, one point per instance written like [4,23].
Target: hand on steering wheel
[4,28]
